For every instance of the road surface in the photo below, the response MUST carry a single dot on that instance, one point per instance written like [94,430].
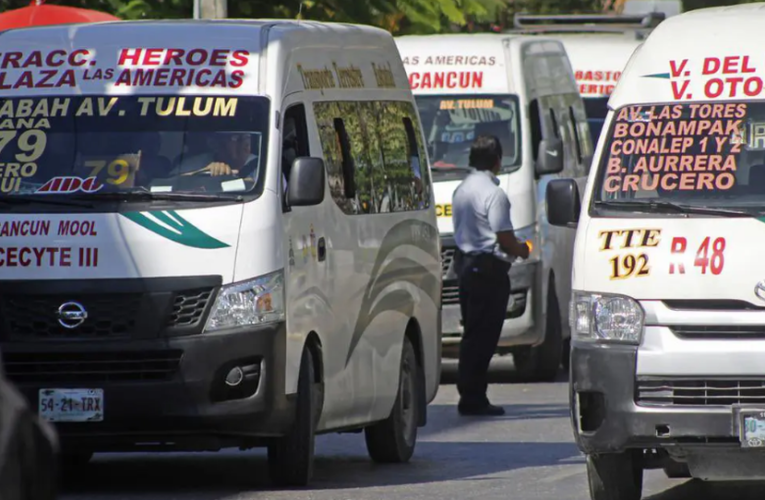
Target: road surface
[526,455]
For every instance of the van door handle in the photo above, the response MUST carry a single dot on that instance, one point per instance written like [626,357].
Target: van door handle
[322,249]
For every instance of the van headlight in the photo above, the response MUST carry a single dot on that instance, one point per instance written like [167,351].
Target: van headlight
[606,318]
[251,302]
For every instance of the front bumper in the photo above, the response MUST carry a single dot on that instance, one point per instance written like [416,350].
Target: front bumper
[167,392]
[606,418]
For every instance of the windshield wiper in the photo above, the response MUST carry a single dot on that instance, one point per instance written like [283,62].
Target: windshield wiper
[41,199]
[454,167]
[162,196]
[656,206]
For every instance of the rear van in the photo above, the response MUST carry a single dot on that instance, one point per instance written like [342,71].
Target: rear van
[599,47]
[522,90]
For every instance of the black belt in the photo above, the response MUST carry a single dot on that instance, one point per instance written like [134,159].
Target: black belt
[482,261]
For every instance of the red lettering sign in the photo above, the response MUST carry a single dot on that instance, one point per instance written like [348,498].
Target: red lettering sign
[68,185]
[183,57]
[446,80]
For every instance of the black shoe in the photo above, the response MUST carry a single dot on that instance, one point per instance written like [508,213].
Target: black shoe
[488,410]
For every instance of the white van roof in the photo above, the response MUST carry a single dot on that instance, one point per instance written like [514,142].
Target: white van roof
[134,57]
[598,60]
[598,45]
[684,57]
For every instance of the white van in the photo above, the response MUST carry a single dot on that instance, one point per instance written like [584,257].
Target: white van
[159,291]
[522,90]
[669,298]
[598,46]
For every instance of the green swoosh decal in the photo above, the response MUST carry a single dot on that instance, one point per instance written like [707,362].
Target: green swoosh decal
[182,231]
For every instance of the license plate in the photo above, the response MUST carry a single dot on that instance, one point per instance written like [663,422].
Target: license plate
[752,428]
[71,405]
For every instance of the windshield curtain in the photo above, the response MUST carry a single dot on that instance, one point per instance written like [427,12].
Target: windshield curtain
[452,122]
[707,154]
[596,109]
[96,144]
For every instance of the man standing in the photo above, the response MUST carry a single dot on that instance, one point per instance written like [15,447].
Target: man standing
[486,246]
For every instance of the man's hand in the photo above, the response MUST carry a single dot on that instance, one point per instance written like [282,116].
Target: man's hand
[511,246]
[219,168]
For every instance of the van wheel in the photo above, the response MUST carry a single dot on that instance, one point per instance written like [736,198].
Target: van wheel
[615,476]
[290,458]
[541,363]
[677,470]
[393,440]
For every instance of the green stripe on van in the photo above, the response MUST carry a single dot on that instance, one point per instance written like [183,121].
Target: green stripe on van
[174,228]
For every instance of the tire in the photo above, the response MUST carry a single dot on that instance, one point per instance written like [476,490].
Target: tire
[615,476]
[393,440]
[677,470]
[566,361]
[542,363]
[290,458]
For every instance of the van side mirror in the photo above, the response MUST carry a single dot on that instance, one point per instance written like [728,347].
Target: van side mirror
[305,187]
[550,157]
[563,203]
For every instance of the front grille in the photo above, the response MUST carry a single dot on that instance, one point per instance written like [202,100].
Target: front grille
[25,317]
[653,391]
[748,332]
[188,307]
[75,367]
[447,256]
[450,295]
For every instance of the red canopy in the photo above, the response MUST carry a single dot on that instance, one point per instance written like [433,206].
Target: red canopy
[37,14]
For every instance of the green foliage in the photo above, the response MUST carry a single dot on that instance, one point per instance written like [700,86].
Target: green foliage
[397,16]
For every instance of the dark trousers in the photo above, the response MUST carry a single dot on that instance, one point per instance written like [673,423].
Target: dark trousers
[484,287]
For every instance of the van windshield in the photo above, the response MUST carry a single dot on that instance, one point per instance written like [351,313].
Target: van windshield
[700,154]
[596,109]
[123,145]
[452,122]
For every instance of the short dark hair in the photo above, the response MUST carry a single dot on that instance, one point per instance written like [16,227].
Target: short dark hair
[485,152]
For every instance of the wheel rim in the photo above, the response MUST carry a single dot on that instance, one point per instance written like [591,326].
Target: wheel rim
[408,403]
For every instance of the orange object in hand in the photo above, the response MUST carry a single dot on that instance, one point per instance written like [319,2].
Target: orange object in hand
[530,245]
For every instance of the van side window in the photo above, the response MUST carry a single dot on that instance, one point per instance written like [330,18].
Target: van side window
[401,155]
[294,139]
[536,128]
[346,158]
[376,148]
[325,114]
[577,139]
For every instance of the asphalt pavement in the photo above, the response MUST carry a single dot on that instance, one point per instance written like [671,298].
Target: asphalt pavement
[528,454]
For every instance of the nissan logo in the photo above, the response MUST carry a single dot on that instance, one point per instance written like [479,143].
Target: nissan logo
[71,314]
[759,290]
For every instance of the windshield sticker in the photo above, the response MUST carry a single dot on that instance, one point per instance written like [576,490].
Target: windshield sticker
[467,104]
[169,224]
[631,259]
[680,148]
[69,185]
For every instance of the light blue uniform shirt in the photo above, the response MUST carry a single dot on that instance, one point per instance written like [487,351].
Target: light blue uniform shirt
[480,209]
